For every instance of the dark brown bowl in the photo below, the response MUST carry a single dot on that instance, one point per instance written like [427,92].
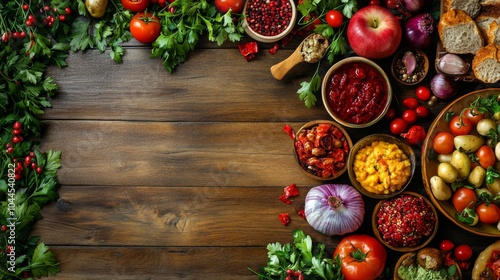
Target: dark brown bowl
[413,254]
[422,62]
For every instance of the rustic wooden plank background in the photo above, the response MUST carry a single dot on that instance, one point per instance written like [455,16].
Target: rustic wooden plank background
[177,176]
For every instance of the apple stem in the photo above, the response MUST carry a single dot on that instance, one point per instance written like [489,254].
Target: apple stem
[374,23]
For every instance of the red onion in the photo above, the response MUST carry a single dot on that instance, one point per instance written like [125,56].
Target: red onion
[334,209]
[443,86]
[419,31]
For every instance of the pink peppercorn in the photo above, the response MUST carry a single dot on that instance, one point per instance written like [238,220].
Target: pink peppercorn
[268,17]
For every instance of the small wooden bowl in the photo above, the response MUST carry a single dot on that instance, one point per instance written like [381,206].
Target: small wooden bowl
[368,140]
[315,123]
[414,254]
[422,61]
[424,242]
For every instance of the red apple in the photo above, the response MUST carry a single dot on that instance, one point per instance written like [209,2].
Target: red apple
[374,32]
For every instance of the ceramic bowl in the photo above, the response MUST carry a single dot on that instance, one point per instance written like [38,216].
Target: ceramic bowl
[429,164]
[306,162]
[254,34]
[367,141]
[355,103]
[457,275]
[399,71]
[424,241]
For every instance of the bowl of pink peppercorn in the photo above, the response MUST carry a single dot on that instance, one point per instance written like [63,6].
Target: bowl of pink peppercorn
[269,21]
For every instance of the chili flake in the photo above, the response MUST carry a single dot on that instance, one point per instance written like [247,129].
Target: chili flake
[284,218]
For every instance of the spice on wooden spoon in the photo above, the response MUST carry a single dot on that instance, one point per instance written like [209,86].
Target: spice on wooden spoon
[310,50]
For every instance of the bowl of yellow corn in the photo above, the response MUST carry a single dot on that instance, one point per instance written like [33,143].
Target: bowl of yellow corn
[381,166]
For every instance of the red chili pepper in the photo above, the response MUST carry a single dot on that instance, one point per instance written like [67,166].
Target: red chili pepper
[289,130]
[302,213]
[284,218]
[274,49]
[448,260]
[285,199]
[248,50]
[415,135]
[291,190]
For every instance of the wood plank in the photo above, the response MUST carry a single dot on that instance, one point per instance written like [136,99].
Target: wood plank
[205,87]
[174,154]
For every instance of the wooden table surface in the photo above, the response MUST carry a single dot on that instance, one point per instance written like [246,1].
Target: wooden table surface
[177,176]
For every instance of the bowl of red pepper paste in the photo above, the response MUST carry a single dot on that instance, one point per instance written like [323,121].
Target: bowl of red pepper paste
[356,92]
[406,222]
[269,21]
[321,148]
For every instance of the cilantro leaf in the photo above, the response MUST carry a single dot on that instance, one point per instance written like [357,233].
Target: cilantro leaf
[308,90]
[43,262]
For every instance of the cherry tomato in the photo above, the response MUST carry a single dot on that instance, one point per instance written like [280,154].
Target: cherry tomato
[473,115]
[423,93]
[460,126]
[390,114]
[362,256]
[446,245]
[398,126]
[135,5]
[462,198]
[488,213]
[223,6]
[145,29]
[422,111]
[410,116]
[463,252]
[443,143]
[334,18]
[486,156]
[375,2]
[410,103]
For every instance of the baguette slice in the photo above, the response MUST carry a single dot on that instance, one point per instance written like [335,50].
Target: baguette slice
[471,7]
[484,20]
[459,33]
[485,64]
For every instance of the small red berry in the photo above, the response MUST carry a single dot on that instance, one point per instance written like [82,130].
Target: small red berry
[17,125]
[4,228]
[27,159]
[25,7]
[10,150]
[17,131]
[17,176]
[67,10]
[16,139]
[39,170]
[33,165]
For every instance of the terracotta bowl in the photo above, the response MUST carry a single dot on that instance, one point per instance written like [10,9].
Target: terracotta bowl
[309,171]
[399,73]
[269,39]
[424,242]
[333,107]
[458,272]
[429,165]
[367,141]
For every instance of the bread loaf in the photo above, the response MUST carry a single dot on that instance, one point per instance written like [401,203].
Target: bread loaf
[471,7]
[485,64]
[459,33]
[483,21]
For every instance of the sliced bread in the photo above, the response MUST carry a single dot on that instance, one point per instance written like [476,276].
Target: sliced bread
[483,21]
[485,64]
[489,2]
[459,33]
[471,7]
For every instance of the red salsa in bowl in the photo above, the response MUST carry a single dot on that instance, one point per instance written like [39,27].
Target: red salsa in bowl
[356,92]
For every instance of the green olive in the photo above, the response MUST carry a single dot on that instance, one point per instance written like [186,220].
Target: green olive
[96,8]
[462,163]
[468,143]
[477,176]
[439,188]
[447,172]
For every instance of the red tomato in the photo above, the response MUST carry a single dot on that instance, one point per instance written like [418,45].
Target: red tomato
[223,6]
[488,213]
[446,245]
[462,198]
[422,111]
[367,265]
[460,126]
[443,143]
[145,29]
[473,115]
[463,252]
[334,18]
[135,5]
[423,93]
[398,126]
[486,156]
[410,116]
[410,102]
[390,114]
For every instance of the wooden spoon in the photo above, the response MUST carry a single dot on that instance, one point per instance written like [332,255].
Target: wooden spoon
[281,69]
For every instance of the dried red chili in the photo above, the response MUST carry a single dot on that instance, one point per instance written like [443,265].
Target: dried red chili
[302,213]
[248,50]
[415,135]
[291,190]
[284,218]
[289,130]
[285,199]
[274,49]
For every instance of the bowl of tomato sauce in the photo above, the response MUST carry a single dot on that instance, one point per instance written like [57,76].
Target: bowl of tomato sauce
[356,92]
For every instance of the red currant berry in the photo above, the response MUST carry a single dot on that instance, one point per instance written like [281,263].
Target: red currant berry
[25,7]
[39,170]
[17,125]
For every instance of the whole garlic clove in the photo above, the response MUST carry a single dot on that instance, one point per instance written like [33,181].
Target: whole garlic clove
[452,64]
